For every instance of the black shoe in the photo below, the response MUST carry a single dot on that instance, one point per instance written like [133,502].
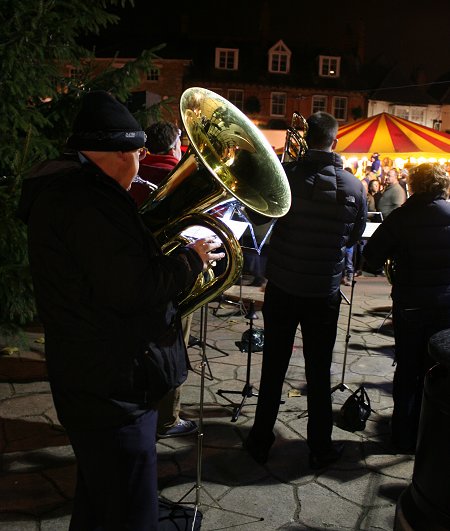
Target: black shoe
[259,448]
[180,429]
[327,458]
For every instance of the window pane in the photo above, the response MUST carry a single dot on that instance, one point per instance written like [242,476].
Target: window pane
[278,104]
[153,75]
[319,103]
[236,97]
[226,59]
[417,115]
[329,66]
[340,108]
[279,62]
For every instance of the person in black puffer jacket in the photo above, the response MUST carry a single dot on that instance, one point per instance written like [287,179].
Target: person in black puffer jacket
[304,269]
[416,238]
[107,298]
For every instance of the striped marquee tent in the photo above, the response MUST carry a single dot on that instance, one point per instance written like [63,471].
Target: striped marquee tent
[392,137]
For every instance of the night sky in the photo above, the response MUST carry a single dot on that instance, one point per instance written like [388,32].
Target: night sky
[409,34]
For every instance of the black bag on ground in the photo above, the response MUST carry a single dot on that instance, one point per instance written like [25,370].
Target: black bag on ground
[257,340]
[355,411]
[176,517]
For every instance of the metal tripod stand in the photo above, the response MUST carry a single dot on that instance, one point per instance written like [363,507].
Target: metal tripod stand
[240,305]
[341,385]
[198,487]
[247,391]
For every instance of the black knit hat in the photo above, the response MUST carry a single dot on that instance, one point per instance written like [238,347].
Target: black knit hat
[105,124]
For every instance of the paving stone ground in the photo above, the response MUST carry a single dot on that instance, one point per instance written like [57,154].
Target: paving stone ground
[37,468]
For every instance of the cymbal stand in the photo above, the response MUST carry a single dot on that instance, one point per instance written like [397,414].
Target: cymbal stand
[341,385]
[198,487]
[247,391]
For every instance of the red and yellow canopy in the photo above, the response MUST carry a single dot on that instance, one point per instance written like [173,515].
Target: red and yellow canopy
[393,137]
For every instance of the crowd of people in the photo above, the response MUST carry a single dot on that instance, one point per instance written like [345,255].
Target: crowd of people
[108,297]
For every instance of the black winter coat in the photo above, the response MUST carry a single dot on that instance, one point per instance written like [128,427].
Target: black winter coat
[104,292]
[328,214]
[417,237]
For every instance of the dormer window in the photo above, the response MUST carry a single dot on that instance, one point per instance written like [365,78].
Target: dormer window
[227,58]
[329,66]
[279,59]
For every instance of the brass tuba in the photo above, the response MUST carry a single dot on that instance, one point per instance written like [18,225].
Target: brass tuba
[228,158]
[295,144]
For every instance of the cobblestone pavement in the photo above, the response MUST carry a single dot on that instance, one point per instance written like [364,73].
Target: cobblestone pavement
[233,492]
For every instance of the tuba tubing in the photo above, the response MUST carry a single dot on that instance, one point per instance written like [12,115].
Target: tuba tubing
[208,285]
[295,144]
[228,158]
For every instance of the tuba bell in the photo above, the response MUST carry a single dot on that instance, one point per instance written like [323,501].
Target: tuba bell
[228,158]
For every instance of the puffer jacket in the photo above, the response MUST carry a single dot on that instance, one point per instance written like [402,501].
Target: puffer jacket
[104,292]
[416,236]
[328,213]
[393,197]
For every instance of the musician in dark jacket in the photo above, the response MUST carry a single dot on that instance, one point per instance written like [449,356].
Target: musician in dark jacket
[304,270]
[416,239]
[107,298]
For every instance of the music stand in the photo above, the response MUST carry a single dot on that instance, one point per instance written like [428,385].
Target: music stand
[237,211]
[247,390]
[240,305]
[341,385]
[198,487]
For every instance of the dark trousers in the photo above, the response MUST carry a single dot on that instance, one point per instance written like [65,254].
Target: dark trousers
[318,318]
[413,327]
[117,478]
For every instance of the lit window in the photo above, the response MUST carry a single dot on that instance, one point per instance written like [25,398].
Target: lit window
[227,58]
[236,97]
[279,59]
[417,115]
[340,108]
[329,66]
[400,111]
[278,104]
[319,103]
[153,74]
[409,112]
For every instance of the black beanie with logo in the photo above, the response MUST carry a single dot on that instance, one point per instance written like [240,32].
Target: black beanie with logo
[105,124]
